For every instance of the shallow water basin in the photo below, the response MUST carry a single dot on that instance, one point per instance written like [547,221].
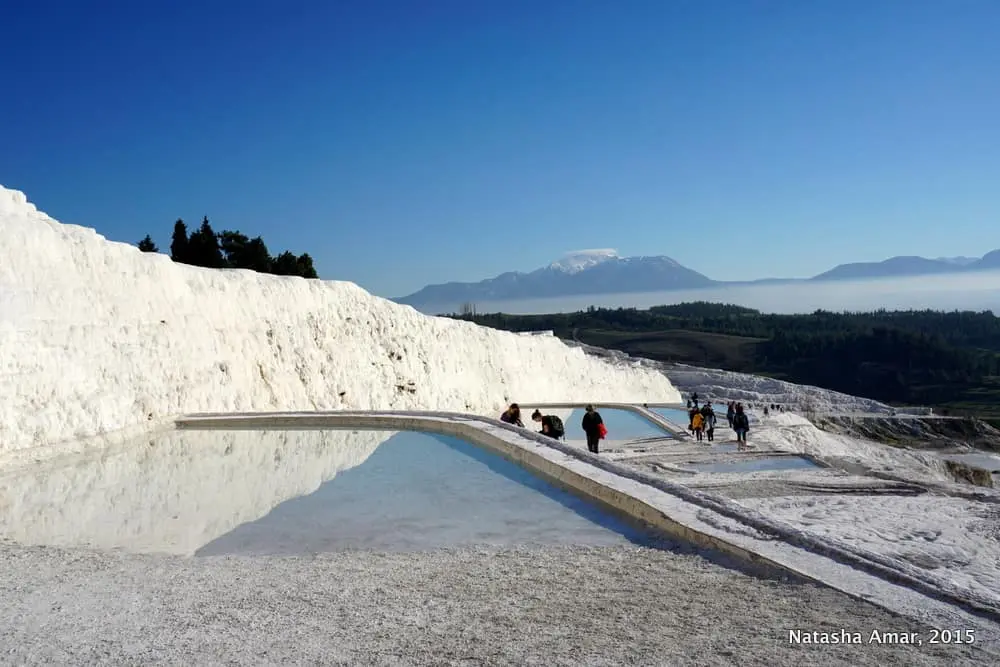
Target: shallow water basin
[274,492]
[621,424]
[985,461]
[675,415]
[755,464]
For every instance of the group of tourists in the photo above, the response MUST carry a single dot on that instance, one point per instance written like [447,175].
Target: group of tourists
[552,426]
[702,420]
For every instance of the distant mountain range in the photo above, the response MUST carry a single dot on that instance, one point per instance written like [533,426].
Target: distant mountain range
[605,272]
[911,266]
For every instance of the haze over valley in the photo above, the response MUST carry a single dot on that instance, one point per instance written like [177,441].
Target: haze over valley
[601,278]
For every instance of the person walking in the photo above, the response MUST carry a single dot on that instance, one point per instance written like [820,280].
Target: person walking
[730,413]
[698,425]
[741,424]
[593,426]
[708,413]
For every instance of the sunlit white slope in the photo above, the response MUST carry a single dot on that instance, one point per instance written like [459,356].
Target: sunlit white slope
[175,492]
[96,336]
[755,389]
[794,433]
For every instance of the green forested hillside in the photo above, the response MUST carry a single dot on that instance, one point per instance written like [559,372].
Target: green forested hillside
[946,359]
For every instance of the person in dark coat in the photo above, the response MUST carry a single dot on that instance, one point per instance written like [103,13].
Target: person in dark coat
[730,413]
[512,415]
[708,413]
[741,424]
[592,427]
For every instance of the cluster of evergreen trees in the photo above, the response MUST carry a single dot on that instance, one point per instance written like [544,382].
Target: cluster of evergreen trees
[897,356]
[230,250]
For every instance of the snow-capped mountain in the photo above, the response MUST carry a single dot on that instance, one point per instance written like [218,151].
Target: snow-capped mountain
[581,260]
[580,272]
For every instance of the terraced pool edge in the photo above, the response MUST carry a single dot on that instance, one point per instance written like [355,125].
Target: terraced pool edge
[678,511]
[676,430]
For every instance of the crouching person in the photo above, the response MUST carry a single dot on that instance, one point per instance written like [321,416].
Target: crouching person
[552,426]
[512,415]
[593,426]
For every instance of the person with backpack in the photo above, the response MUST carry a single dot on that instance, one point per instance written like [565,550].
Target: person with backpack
[552,425]
[593,426]
[741,424]
[512,415]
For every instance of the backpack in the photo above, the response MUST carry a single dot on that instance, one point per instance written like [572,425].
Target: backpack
[557,426]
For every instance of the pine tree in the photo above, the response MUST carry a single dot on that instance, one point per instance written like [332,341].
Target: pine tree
[285,264]
[304,263]
[244,253]
[147,245]
[257,257]
[234,247]
[180,247]
[205,249]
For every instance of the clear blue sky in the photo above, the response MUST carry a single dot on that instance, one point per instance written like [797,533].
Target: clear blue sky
[418,141]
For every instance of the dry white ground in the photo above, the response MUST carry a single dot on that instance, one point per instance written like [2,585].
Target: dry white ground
[549,606]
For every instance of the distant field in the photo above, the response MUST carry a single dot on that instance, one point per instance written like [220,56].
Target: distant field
[694,347]
[982,401]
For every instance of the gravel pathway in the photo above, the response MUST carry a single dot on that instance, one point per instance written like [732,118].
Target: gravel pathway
[539,606]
